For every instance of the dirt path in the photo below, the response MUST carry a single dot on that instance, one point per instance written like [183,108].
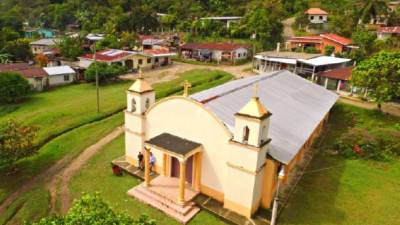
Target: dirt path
[389,108]
[58,187]
[169,73]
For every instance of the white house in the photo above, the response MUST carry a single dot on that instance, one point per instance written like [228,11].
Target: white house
[215,51]
[60,75]
[43,45]
[317,15]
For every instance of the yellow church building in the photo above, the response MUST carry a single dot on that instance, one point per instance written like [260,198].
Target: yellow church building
[228,142]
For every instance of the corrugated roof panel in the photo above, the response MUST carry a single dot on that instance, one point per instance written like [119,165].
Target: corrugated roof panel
[296,104]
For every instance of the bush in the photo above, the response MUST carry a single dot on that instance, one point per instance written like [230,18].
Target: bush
[379,144]
[311,50]
[329,50]
[91,209]
[13,87]
[106,72]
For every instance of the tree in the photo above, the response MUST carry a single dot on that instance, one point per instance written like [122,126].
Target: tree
[16,142]
[19,50]
[91,209]
[365,39]
[42,60]
[371,9]
[106,72]
[70,47]
[381,75]
[329,49]
[13,87]
[129,40]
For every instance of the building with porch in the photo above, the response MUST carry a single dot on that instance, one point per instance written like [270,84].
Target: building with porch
[340,44]
[43,45]
[146,59]
[303,64]
[219,52]
[228,142]
[336,79]
[36,76]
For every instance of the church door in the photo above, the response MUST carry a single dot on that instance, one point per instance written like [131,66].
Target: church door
[189,168]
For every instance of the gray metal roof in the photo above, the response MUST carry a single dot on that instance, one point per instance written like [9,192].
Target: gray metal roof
[297,106]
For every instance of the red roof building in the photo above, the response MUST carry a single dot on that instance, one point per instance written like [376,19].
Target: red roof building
[338,74]
[386,32]
[213,46]
[315,11]
[109,55]
[24,69]
[340,43]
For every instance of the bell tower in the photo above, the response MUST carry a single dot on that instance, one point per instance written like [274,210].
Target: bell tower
[140,96]
[246,162]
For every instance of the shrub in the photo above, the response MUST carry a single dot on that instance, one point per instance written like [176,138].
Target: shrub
[13,87]
[91,209]
[311,50]
[329,50]
[106,72]
[379,144]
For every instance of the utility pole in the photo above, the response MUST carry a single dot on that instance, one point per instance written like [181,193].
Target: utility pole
[94,38]
[276,199]
[254,37]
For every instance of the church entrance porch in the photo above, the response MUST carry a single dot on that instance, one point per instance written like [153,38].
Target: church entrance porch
[179,183]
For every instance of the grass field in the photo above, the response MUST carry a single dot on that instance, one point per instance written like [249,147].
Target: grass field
[113,189]
[347,191]
[75,141]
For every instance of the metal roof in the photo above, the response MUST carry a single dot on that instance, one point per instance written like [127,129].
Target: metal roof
[297,106]
[324,60]
[45,41]
[58,70]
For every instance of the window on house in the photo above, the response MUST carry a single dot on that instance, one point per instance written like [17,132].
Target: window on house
[147,104]
[66,77]
[148,60]
[156,60]
[140,62]
[311,17]
[239,55]
[133,105]
[246,133]
[320,17]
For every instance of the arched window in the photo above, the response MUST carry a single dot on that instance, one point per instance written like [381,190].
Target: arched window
[246,133]
[133,105]
[147,104]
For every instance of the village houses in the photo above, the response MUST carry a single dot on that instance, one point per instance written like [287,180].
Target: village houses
[218,52]
[317,15]
[320,42]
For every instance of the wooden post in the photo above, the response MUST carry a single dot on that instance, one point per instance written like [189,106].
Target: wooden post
[326,82]
[147,167]
[338,85]
[182,180]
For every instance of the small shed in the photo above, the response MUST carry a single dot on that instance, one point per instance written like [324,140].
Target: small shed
[60,75]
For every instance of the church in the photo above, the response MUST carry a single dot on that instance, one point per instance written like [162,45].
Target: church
[229,142]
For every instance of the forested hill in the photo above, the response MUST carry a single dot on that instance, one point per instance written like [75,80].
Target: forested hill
[263,17]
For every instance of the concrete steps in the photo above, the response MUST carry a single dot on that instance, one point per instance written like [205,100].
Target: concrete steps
[181,213]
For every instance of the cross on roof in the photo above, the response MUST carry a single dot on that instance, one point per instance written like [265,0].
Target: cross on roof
[140,73]
[186,85]
[256,89]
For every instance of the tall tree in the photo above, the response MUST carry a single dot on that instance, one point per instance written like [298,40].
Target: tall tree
[381,75]
[371,9]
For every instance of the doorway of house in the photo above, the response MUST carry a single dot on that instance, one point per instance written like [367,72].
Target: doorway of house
[189,168]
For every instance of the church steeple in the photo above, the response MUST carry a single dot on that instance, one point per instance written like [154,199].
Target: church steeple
[252,122]
[140,96]
[140,85]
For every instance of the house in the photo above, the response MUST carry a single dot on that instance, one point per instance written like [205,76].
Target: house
[41,32]
[219,52]
[303,64]
[146,59]
[336,79]
[341,44]
[386,32]
[228,142]
[60,75]
[224,19]
[317,15]
[152,42]
[36,76]
[43,45]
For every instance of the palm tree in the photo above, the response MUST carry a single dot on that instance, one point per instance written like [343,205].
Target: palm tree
[372,9]
[4,58]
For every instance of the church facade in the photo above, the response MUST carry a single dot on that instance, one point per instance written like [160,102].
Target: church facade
[228,142]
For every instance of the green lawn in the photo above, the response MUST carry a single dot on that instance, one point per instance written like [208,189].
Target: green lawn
[73,142]
[356,192]
[113,189]
[64,108]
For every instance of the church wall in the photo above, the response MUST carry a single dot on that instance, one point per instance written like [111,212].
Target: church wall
[187,119]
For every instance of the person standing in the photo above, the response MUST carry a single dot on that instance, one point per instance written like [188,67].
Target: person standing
[152,162]
[140,160]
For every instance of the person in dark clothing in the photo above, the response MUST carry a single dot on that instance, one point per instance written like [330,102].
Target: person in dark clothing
[140,160]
